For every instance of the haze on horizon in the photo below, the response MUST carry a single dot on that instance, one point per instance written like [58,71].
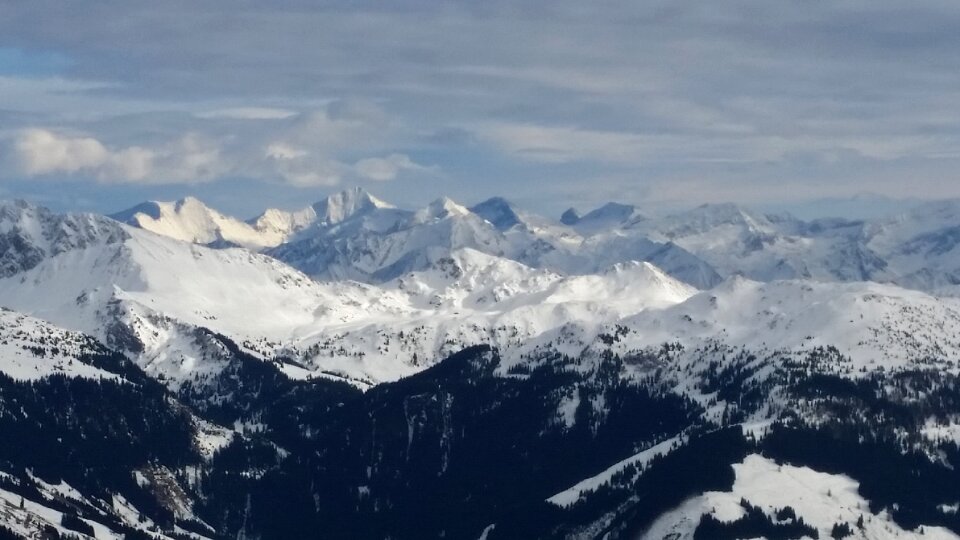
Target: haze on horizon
[782,105]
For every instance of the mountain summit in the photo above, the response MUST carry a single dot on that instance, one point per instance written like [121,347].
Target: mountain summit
[498,211]
[190,220]
[346,204]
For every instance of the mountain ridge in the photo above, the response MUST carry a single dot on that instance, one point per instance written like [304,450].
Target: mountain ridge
[391,373]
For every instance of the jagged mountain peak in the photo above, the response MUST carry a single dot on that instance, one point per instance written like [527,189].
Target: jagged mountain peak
[190,220]
[155,209]
[499,212]
[283,220]
[147,208]
[190,200]
[345,204]
[570,216]
[612,215]
[16,213]
[29,233]
[439,209]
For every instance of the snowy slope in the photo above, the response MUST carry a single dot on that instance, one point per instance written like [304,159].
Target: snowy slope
[472,298]
[573,494]
[876,326]
[41,510]
[157,291]
[384,243]
[190,220]
[873,323]
[821,499]
[40,515]
[592,305]
[31,349]
[446,277]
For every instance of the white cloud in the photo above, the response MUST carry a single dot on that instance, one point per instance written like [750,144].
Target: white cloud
[192,158]
[131,164]
[786,93]
[299,167]
[284,151]
[39,151]
[42,152]
[305,157]
[384,169]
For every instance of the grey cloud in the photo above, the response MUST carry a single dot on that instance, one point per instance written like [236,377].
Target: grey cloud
[773,99]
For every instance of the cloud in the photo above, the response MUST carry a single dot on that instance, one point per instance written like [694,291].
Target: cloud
[730,100]
[42,152]
[249,113]
[320,148]
[39,152]
[299,167]
[386,168]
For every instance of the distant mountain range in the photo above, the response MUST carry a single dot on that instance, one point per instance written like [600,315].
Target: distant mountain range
[357,370]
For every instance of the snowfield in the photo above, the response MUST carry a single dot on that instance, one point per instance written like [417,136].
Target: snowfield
[457,280]
[821,499]
[31,349]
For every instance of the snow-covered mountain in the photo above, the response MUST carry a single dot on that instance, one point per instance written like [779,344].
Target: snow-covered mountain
[381,372]
[404,289]
[31,349]
[920,246]
[609,216]
[354,235]
[29,234]
[150,295]
[381,244]
[190,220]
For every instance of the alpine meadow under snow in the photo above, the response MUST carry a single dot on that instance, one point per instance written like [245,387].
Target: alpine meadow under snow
[357,370]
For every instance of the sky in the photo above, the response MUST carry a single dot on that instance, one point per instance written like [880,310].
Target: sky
[803,105]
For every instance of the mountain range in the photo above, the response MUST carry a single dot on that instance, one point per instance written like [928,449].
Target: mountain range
[354,235]
[357,370]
